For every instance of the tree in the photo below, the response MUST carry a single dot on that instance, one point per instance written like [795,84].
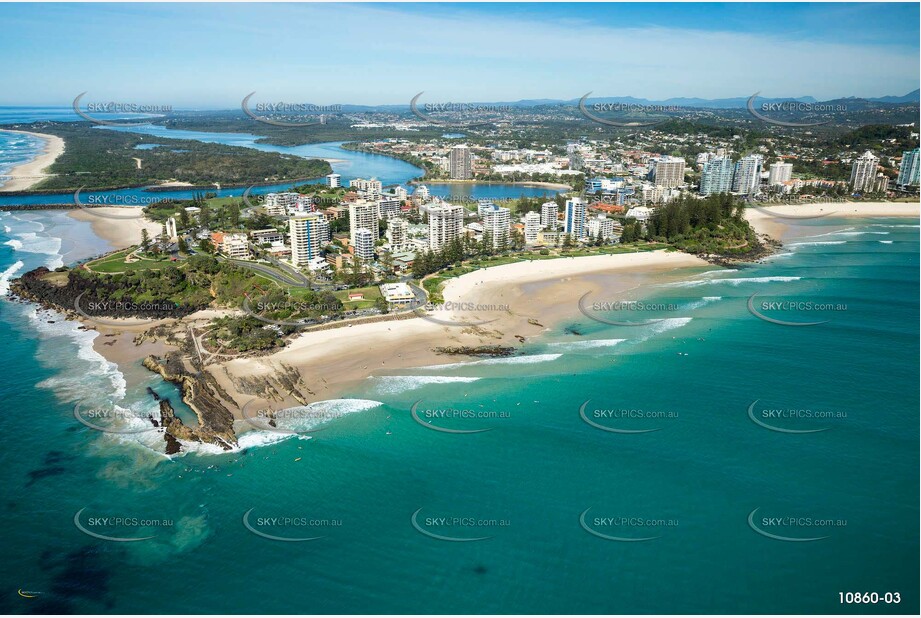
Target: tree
[145,240]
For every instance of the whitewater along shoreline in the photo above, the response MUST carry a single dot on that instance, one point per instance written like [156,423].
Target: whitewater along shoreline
[495,311]
[326,364]
[775,220]
[26,175]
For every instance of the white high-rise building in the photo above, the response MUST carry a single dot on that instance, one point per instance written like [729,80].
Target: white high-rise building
[460,163]
[716,176]
[863,172]
[308,233]
[600,225]
[278,204]
[333,180]
[747,177]
[363,214]
[389,207]
[421,193]
[532,227]
[668,171]
[445,224]
[496,221]
[574,218]
[397,234]
[909,169]
[370,189]
[364,244]
[780,173]
[549,215]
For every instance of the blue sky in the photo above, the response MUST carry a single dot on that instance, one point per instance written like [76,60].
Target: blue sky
[211,55]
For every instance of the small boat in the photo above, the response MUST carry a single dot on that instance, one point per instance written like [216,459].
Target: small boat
[298,459]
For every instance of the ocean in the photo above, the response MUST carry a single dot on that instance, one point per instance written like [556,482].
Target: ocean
[703,461]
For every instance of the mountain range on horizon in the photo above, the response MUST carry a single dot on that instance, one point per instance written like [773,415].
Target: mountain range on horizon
[913,97]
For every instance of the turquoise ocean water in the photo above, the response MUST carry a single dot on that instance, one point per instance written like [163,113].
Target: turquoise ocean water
[692,504]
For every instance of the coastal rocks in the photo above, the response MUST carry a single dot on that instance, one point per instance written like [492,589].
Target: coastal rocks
[479,350]
[102,295]
[215,422]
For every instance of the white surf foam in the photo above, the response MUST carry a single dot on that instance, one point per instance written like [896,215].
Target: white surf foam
[7,275]
[398,384]
[507,360]
[734,281]
[703,302]
[574,346]
[72,380]
[818,243]
[31,242]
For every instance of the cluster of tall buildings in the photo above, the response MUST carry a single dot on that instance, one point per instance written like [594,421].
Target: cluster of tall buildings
[721,175]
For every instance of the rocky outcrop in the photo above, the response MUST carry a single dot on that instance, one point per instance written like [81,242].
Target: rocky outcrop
[99,296]
[199,392]
[479,350]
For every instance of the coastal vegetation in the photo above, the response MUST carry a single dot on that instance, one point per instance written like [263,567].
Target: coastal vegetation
[714,225]
[98,158]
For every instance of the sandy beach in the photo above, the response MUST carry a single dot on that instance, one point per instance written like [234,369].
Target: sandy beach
[120,226]
[538,295]
[25,176]
[774,220]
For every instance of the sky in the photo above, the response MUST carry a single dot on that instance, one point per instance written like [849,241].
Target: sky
[209,56]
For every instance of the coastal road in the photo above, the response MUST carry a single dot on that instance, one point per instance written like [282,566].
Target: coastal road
[285,276]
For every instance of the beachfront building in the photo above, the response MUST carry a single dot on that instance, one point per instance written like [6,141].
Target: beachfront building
[747,177]
[863,172]
[397,234]
[333,181]
[549,215]
[780,173]
[307,231]
[716,176]
[639,213]
[882,183]
[909,169]
[532,227]
[496,221]
[397,293]
[363,243]
[445,224]
[364,215]
[574,218]
[460,163]
[600,226]
[668,171]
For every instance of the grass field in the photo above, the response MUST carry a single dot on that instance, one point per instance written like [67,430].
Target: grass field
[115,263]
[371,293]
